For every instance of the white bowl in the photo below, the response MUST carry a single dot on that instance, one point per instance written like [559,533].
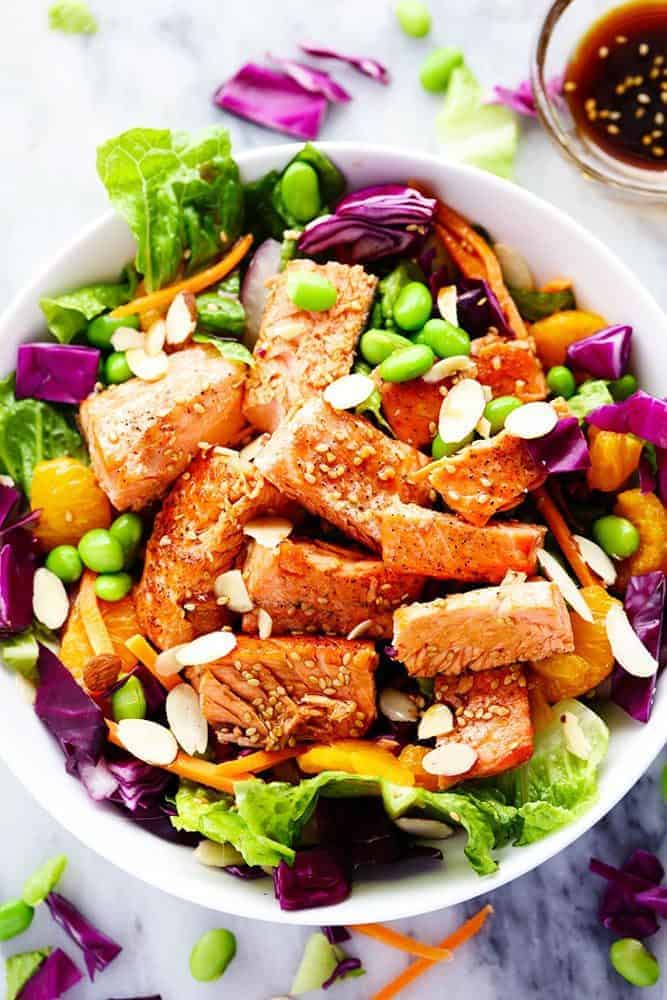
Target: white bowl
[554,245]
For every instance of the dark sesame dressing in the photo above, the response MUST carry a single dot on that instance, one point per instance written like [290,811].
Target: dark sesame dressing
[616,84]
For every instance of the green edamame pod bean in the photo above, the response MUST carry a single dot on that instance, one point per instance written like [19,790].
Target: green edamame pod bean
[561,381]
[414,17]
[310,290]
[113,586]
[127,529]
[634,962]
[116,368]
[101,329]
[300,191]
[220,311]
[15,918]
[129,701]
[440,449]
[623,387]
[376,345]
[413,306]
[43,881]
[616,535]
[406,364]
[444,339]
[212,954]
[438,67]
[498,410]
[101,552]
[65,562]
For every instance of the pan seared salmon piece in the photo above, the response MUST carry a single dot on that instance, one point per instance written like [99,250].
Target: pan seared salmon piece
[298,353]
[412,409]
[197,535]
[491,627]
[340,467]
[443,546]
[492,715]
[486,477]
[315,587]
[509,367]
[275,693]
[143,435]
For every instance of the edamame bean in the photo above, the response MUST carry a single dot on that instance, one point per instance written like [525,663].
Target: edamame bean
[116,368]
[113,586]
[561,381]
[212,954]
[129,701]
[65,562]
[498,410]
[43,881]
[220,311]
[634,962]
[623,387]
[444,339]
[406,364]
[376,345]
[101,329]
[438,67]
[300,190]
[101,552]
[616,535]
[413,306]
[414,17]
[15,918]
[439,449]
[312,291]
[127,529]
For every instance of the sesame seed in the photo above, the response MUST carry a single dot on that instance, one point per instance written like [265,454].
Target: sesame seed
[569,86]
[643,98]
[643,49]
[603,52]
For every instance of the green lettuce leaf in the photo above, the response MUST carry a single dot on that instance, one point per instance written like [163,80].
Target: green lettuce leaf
[67,315]
[470,131]
[20,968]
[180,195]
[230,349]
[74,17]
[588,397]
[20,652]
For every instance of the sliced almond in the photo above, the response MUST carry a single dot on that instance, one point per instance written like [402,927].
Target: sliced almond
[449,366]
[425,829]
[181,319]
[264,624]
[532,420]
[231,586]
[148,741]
[125,338]
[6,480]
[287,329]
[628,649]
[268,531]
[447,299]
[155,338]
[205,649]
[514,266]
[597,559]
[348,391]
[568,588]
[397,707]
[26,689]
[437,720]
[512,577]
[461,409]
[250,452]
[185,719]
[147,367]
[50,603]
[166,665]
[450,759]
[483,427]
[360,629]
[574,736]
[213,855]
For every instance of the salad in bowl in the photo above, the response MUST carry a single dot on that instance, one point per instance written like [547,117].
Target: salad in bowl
[327,531]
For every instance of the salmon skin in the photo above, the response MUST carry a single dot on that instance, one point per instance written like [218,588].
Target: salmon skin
[415,540]
[340,467]
[298,353]
[509,367]
[412,409]
[492,715]
[275,693]
[310,586]
[486,477]
[197,535]
[142,435]
[481,629]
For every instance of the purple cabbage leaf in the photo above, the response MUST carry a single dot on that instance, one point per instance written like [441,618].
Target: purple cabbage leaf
[98,949]
[478,308]
[56,373]
[564,449]
[644,605]
[317,81]
[54,977]
[604,354]
[369,67]
[273,99]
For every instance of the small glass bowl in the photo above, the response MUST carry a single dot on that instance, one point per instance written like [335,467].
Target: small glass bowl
[564,25]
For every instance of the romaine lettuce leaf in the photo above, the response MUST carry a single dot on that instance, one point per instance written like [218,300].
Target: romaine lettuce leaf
[589,396]
[180,195]
[233,350]
[539,305]
[68,314]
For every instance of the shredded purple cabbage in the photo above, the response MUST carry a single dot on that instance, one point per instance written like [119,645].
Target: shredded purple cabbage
[479,309]
[98,780]
[274,100]
[98,949]
[564,449]
[620,909]
[314,80]
[644,605]
[369,67]
[345,966]
[639,414]
[55,976]
[249,873]
[10,498]
[336,934]
[521,98]
[18,562]
[654,899]
[604,354]
[387,205]
[139,785]
[661,459]
[58,373]
[317,878]
[647,479]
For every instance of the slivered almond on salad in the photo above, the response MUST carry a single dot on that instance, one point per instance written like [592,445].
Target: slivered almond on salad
[330,501]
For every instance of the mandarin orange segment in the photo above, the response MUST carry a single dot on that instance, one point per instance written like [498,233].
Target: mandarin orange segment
[121,621]
[71,502]
[614,457]
[568,675]
[411,756]
[554,334]
[649,518]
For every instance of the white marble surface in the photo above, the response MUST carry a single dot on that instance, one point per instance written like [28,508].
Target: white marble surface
[157,63]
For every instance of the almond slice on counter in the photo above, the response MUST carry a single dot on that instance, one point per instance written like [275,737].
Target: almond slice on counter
[532,420]
[397,707]
[348,391]
[360,629]
[205,649]
[50,603]
[156,336]
[568,588]
[147,367]
[181,319]
[449,366]
[437,720]
[268,531]
[425,829]
[125,338]
[461,409]
[230,587]
[627,647]
[148,741]
[447,299]
[186,720]
[450,759]
[596,558]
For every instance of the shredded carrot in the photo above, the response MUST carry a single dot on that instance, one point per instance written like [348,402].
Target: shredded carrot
[91,616]
[259,761]
[401,942]
[196,283]
[563,536]
[557,285]
[145,653]
[461,935]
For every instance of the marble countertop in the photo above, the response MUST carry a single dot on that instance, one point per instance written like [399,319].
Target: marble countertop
[157,63]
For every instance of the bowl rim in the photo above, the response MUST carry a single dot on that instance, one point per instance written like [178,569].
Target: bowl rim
[394,902]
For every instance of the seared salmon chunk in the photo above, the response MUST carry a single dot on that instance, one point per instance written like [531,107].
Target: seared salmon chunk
[142,435]
[298,353]
[310,586]
[509,367]
[415,540]
[481,629]
[492,715]
[486,477]
[412,409]
[275,693]
[197,535]
[340,467]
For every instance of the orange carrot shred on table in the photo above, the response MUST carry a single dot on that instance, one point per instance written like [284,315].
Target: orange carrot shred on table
[462,934]
[195,283]
[145,653]
[402,942]
[91,616]
[563,536]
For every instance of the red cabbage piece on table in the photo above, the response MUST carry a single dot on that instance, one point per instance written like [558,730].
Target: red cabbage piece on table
[57,373]
[521,98]
[317,878]
[564,449]
[644,605]
[317,81]
[620,910]
[346,965]
[604,354]
[55,976]
[274,100]
[98,949]
[369,67]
